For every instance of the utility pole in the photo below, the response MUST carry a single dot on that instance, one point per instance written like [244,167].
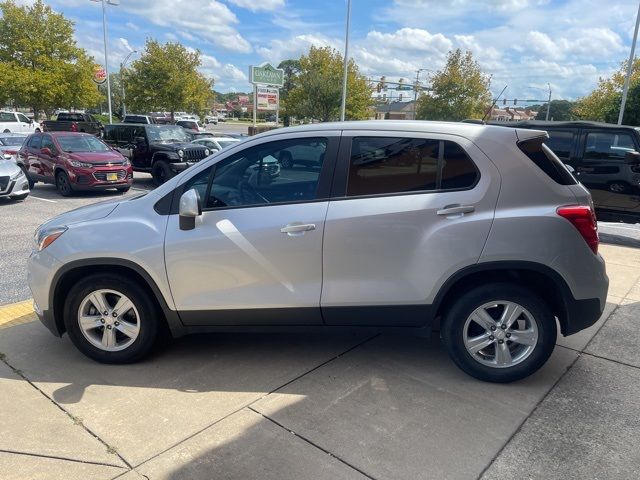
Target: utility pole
[106,50]
[627,79]
[122,65]
[548,103]
[343,106]
[415,95]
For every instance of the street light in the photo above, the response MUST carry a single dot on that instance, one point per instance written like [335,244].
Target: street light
[106,52]
[122,65]
[625,89]
[415,94]
[343,106]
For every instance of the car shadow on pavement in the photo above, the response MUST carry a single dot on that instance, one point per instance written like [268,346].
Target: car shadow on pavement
[383,403]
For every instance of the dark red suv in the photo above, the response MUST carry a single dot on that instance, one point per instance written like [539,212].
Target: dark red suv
[75,161]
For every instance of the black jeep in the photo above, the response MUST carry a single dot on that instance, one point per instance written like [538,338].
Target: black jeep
[162,150]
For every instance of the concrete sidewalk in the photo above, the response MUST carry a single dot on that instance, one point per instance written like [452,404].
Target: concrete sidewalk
[322,407]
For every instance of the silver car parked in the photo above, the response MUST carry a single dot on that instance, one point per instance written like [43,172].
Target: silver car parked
[13,181]
[397,226]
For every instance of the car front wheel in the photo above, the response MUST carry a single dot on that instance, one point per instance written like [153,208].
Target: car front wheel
[111,319]
[161,172]
[499,332]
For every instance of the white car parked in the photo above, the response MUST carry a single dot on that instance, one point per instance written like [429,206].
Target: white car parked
[11,122]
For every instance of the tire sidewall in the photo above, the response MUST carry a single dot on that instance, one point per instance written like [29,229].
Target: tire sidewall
[63,177]
[160,167]
[147,312]
[453,330]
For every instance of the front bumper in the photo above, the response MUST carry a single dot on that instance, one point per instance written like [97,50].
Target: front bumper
[16,188]
[41,268]
[96,178]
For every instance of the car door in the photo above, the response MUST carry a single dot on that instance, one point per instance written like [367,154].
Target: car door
[33,158]
[48,161]
[603,169]
[24,124]
[407,211]
[255,255]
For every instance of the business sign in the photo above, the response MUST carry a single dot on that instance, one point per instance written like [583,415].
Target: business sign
[267,98]
[99,74]
[266,74]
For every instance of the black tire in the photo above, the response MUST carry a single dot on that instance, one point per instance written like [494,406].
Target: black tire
[149,318]
[63,184]
[452,331]
[6,130]
[161,172]
[123,189]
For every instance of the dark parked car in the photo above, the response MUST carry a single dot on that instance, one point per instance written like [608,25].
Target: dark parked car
[603,158]
[162,150]
[74,161]
[73,122]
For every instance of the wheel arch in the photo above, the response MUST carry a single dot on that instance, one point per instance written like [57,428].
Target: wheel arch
[160,156]
[72,272]
[543,280]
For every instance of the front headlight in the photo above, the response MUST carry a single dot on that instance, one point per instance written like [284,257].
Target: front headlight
[126,162]
[181,153]
[77,164]
[6,156]
[206,152]
[45,237]
[17,175]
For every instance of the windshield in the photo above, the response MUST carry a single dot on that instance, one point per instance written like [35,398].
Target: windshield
[227,143]
[81,143]
[12,141]
[167,134]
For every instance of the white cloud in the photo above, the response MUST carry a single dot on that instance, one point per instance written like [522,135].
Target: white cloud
[255,5]
[283,49]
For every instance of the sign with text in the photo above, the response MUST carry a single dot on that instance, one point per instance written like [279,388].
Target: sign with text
[99,74]
[267,98]
[266,74]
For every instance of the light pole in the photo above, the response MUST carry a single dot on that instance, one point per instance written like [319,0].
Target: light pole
[106,51]
[122,65]
[415,95]
[343,106]
[625,89]
[548,103]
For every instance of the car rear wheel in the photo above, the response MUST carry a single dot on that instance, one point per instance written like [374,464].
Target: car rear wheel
[499,332]
[63,184]
[111,319]
[161,172]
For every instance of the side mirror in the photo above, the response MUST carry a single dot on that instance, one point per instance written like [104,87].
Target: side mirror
[632,157]
[190,208]
[46,151]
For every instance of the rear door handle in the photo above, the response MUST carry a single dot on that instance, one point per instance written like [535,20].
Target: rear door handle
[297,228]
[457,210]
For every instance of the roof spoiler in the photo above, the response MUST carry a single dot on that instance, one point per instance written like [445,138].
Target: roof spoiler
[527,134]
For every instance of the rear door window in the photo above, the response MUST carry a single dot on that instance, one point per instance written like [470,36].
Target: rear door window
[608,145]
[388,165]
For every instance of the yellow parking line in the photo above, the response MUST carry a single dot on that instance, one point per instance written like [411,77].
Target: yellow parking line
[17,314]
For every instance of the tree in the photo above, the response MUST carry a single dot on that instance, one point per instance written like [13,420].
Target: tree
[317,88]
[291,69]
[460,90]
[166,77]
[603,104]
[561,110]
[42,67]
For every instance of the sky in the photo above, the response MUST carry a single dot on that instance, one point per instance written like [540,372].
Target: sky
[523,44]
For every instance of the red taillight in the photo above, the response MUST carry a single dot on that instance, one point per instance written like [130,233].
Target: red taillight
[584,219]
[74,127]
[10,152]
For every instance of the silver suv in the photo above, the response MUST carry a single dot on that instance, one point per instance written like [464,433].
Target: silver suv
[385,226]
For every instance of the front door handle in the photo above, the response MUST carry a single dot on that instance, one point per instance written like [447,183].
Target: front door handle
[294,229]
[454,211]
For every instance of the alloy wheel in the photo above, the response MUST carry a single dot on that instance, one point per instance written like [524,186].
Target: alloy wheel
[109,320]
[500,334]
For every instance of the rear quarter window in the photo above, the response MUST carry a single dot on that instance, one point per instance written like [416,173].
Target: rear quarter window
[546,160]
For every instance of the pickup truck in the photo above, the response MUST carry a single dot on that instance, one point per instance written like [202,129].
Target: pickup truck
[73,122]
[12,122]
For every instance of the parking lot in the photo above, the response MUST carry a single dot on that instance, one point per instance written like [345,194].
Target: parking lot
[308,406]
